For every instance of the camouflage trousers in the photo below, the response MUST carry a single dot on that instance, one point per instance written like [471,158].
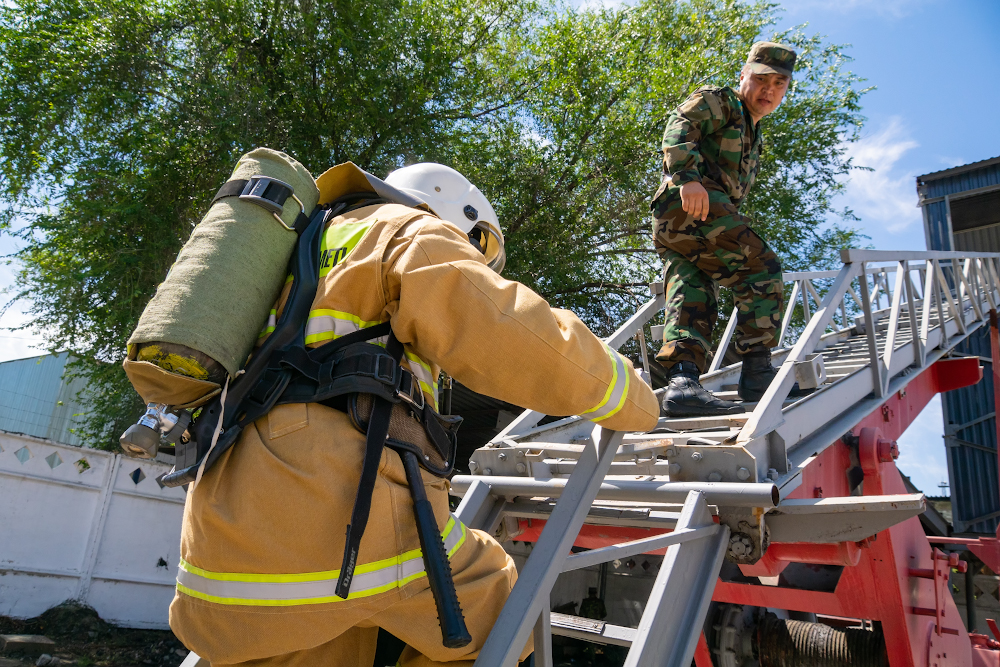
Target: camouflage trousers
[699,256]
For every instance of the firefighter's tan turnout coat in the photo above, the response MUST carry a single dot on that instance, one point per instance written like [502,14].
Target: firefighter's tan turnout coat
[263,533]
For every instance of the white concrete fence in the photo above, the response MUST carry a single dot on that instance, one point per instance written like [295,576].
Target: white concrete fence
[86,525]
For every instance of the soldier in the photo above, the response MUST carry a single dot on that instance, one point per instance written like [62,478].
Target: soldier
[711,148]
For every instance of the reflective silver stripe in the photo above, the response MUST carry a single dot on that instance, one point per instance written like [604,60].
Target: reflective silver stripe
[310,588]
[617,391]
[325,324]
[421,371]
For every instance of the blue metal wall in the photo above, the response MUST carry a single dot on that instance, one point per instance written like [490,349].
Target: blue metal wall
[970,439]
[36,400]
[972,456]
[940,184]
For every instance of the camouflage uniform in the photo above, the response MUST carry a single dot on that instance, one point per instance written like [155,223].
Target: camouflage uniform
[711,138]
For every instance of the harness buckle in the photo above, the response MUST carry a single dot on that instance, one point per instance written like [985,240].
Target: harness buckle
[385,370]
[270,194]
[409,390]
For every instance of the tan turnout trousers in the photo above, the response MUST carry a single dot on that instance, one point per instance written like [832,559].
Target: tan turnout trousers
[264,530]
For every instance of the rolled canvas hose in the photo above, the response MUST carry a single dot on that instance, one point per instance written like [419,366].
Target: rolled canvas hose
[217,296]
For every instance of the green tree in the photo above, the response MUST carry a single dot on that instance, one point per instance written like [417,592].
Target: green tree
[120,118]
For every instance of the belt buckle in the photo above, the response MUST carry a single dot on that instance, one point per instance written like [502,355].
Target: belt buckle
[415,396]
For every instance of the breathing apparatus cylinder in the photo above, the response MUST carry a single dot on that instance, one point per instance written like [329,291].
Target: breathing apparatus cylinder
[218,294]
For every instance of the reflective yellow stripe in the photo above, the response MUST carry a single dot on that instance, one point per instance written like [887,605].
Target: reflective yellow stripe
[279,590]
[422,371]
[272,320]
[614,397]
[324,324]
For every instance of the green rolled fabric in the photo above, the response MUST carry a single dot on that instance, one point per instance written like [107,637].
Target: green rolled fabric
[219,292]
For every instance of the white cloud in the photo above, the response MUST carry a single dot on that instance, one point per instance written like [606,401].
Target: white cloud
[885,196]
[922,455]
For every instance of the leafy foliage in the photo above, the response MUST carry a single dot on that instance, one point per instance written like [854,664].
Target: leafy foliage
[120,118]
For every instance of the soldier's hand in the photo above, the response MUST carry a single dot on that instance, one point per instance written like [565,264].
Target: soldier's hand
[694,200]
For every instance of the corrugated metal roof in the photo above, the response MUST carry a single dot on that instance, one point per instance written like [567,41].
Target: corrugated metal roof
[961,169]
[962,180]
[36,399]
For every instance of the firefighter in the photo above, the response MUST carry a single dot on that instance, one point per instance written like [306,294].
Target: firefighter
[263,535]
[711,149]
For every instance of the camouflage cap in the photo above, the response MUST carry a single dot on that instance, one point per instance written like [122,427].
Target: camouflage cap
[771,58]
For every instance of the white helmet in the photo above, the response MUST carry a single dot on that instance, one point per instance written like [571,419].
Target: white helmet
[453,198]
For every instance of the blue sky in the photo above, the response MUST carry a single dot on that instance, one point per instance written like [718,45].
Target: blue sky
[936,105]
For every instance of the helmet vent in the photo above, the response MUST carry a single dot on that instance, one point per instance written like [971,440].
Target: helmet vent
[470,212]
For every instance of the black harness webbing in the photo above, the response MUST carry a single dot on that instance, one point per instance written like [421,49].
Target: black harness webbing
[378,431]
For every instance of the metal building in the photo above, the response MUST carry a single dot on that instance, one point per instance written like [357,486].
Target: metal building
[37,400]
[961,208]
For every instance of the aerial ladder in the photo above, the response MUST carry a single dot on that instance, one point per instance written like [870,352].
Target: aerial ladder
[736,501]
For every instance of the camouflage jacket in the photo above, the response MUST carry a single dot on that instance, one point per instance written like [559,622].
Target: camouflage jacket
[710,138]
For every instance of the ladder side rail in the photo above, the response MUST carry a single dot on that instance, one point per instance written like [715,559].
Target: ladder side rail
[674,616]
[720,352]
[534,585]
[767,414]
[850,255]
[791,276]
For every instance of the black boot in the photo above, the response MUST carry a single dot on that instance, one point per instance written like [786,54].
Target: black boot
[757,373]
[685,397]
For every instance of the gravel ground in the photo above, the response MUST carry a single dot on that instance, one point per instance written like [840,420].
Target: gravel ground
[83,638]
